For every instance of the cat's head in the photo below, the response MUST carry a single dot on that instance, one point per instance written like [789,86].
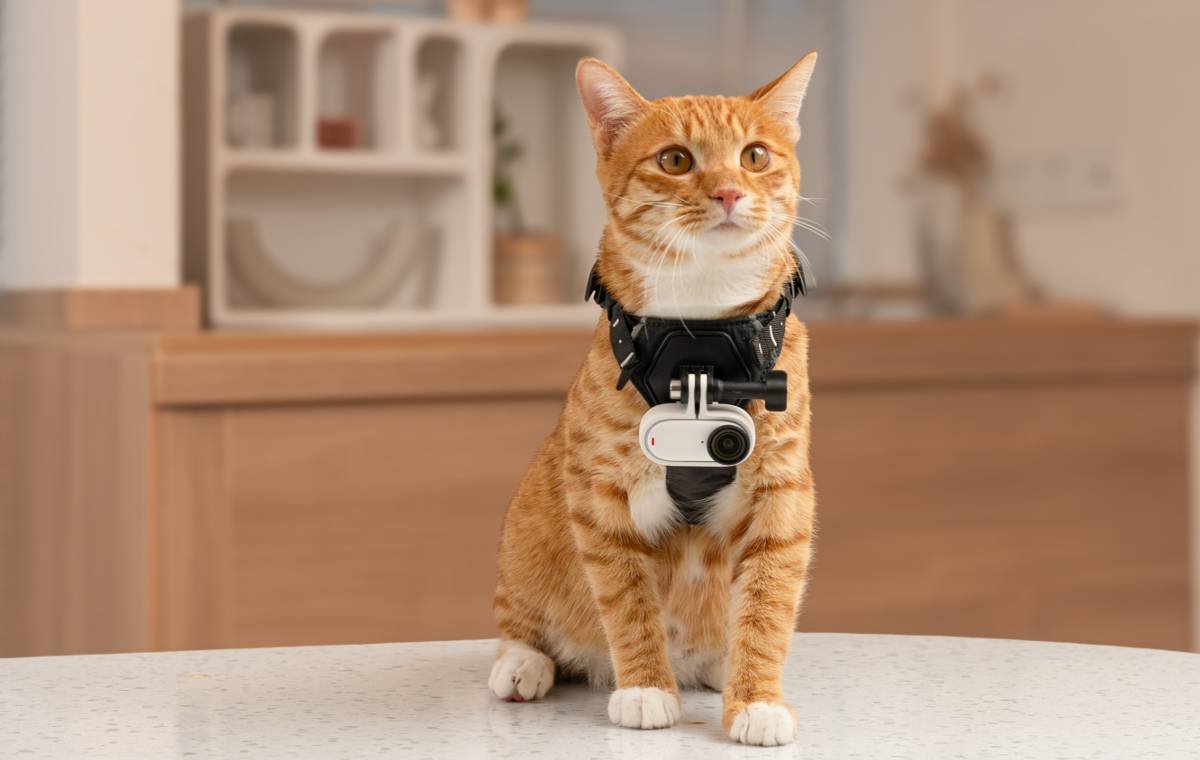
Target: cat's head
[711,179]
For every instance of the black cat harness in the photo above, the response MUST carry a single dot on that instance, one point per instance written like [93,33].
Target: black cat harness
[697,376]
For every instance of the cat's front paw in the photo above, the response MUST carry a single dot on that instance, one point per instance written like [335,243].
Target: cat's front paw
[521,673]
[643,707]
[764,724]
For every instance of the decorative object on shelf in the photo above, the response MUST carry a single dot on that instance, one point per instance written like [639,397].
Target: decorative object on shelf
[504,193]
[339,132]
[251,121]
[527,263]
[259,86]
[965,239]
[527,269]
[400,257]
[250,115]
[356,88]
[429,130]
[467,11]
[477,11]
[510,11]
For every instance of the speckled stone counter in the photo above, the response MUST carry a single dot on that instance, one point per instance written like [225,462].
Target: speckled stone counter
[868,697]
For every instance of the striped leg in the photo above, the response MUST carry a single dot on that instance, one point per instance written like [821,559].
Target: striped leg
[521,672]
[614,557]
[770,575]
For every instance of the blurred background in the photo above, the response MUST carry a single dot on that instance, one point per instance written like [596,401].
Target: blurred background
[290,292]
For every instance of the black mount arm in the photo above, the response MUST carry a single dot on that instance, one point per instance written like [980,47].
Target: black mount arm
[772,390]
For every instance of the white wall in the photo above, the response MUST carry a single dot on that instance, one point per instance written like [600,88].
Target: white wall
[91,133]
[1119,77]
[1116,78]
[1112,77]
[41,207]
[882,50]
[129,142]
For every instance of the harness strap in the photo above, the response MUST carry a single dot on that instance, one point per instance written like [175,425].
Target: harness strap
[757,339]
[648,351]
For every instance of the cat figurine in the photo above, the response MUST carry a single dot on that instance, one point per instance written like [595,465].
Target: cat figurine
[599,578]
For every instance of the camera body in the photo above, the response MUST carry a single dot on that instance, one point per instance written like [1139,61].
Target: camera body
[697,433]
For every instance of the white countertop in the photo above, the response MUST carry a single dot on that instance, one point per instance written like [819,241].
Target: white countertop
[869,697]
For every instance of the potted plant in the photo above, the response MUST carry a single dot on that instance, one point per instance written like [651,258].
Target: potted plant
[527,263]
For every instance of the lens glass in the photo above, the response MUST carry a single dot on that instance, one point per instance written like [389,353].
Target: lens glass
[728,444]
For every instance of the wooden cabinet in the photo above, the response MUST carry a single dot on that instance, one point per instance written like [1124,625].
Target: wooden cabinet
[212,489]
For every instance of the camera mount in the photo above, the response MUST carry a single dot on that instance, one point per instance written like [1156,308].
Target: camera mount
[772,390]
[700,432]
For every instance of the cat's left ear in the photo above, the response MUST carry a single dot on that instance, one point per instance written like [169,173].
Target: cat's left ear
[782,98]
[611,103]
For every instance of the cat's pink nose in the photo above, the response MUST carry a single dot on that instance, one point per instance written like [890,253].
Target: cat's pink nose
[727,196]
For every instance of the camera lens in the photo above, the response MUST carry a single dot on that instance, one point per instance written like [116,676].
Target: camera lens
[728,444]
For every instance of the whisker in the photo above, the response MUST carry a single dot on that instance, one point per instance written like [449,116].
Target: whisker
[675,283]
[791,263]
[660,248]
[666,204]
[811,225]
[804,219]
[805,264]
[675,271]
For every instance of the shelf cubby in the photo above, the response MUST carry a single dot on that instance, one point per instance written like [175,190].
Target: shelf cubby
[395,235]
[356,82]
[261,88]
[437,118]
[535,92]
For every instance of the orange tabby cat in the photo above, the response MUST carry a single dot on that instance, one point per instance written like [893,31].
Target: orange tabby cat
[598,575]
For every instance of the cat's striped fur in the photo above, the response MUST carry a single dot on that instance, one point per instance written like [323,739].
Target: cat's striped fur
[597,575]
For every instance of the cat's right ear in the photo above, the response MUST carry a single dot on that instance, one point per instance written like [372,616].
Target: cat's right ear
[610,102]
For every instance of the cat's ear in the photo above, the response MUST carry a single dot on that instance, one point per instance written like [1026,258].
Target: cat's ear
[611,103]
[782,98]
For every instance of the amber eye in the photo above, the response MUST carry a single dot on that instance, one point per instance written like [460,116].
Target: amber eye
[675,161]
[755,158]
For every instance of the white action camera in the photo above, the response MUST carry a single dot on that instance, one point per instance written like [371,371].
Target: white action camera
[697,434]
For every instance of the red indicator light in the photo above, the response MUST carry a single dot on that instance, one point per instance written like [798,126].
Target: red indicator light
[651,441]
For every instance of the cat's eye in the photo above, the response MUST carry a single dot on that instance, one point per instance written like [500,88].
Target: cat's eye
[675,160]
[755,157]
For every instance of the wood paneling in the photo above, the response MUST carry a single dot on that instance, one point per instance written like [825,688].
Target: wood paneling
[14,507]
[204,490]
[258,369]
[381,519]
[77,458]
[998,352]
[240,368]
[1055,511]
[193,594]
[101,309]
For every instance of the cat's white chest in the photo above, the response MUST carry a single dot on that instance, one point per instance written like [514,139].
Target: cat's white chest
[651,507]
[690,287]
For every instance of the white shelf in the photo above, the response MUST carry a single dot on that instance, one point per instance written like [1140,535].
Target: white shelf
[443,165]
[563,315]
[419,93]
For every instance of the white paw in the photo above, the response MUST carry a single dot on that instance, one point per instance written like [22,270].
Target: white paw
[764,724]
[637,707]
[521,673]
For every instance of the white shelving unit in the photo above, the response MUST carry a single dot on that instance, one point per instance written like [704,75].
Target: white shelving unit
[421,92]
